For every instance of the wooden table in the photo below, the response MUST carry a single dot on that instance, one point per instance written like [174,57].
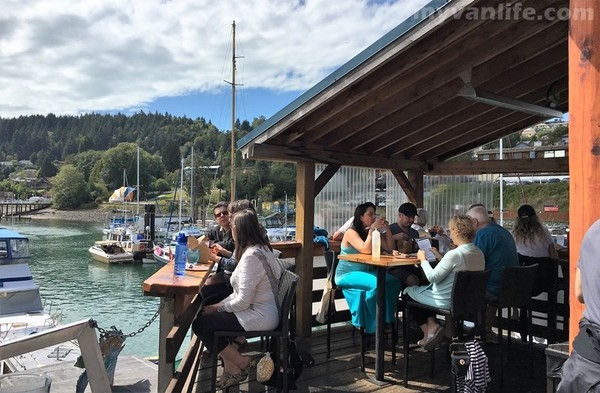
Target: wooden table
[176,294]
[382,264]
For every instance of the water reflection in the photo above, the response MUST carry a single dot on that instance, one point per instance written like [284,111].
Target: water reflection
[82,288]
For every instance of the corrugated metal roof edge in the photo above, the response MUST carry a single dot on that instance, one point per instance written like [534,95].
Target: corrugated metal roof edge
[397,32]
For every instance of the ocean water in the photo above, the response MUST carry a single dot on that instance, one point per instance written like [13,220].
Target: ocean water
[79,288]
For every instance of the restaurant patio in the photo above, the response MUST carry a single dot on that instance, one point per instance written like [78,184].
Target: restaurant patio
[341,372]
[440,84]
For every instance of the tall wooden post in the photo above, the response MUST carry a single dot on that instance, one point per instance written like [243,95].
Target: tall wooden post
[584,134]
[305,213]
[416,179]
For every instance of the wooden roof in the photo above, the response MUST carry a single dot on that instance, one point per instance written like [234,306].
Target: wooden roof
[396,104]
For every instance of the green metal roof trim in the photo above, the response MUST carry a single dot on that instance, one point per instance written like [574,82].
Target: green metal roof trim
[418,17]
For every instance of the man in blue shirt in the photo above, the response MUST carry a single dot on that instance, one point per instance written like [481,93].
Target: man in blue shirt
[498,247]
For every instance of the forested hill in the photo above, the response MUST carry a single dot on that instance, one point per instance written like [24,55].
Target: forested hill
[57,137]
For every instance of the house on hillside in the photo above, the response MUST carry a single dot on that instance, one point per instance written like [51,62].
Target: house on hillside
[524,150]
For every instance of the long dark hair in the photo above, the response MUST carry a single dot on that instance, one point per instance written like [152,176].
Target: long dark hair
[527,227]
[357,224]
[247,231]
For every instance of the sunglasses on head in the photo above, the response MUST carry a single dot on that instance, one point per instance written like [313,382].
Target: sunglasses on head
[223,213]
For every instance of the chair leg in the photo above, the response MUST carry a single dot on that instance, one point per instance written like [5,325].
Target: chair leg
[529,318]
[285,353]
[405,344]
[214,357]
[501,368]
[363,349]
[432,367]
[328,354]
[394,340]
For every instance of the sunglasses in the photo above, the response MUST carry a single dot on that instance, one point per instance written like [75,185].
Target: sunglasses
[223,213]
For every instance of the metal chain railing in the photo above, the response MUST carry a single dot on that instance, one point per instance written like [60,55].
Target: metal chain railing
[114,332]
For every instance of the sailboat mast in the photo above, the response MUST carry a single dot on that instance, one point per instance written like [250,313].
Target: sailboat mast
[137,185]
[181,194]
[232,180]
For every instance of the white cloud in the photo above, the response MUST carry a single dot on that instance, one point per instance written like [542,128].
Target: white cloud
[73,56]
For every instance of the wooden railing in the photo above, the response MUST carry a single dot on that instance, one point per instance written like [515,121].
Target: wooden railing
[81,331]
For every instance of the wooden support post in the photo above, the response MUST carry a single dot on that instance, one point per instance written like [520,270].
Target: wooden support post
[305,212]
[166,366]
[416,179]
[584,134]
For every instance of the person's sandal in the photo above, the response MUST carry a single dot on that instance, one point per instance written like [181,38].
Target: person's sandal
[228,380]
[241,345]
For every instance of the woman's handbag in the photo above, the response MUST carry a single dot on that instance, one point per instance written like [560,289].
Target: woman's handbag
[326,301]
[265,368]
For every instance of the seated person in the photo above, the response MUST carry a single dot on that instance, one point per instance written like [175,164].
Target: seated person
[438,293]
[404,236]
[339,234]
[251,306]
[217,287]
[420,220]
[220,235]
[358,281]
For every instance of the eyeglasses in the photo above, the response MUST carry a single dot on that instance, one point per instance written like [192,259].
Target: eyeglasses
[223,213]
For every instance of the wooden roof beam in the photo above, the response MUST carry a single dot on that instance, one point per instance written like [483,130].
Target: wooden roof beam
[507,167]
[298,154]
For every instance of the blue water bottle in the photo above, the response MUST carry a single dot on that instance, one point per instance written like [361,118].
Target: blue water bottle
[181,251]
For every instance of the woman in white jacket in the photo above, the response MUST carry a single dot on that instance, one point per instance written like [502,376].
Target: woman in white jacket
[251,306]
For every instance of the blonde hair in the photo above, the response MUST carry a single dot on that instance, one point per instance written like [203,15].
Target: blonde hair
[463,227]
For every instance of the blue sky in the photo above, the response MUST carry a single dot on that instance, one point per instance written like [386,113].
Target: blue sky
[216,107]
[69,57]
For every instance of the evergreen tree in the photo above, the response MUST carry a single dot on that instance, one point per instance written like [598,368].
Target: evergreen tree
[47,169]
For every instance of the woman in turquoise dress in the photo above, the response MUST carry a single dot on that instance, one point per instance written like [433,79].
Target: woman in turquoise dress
[358,281]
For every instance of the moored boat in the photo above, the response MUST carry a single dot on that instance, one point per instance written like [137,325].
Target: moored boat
[21,308]
[111,252]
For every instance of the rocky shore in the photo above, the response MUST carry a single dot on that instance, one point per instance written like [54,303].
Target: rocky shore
[83,215]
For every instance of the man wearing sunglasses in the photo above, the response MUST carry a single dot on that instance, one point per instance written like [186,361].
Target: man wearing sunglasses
[220,235]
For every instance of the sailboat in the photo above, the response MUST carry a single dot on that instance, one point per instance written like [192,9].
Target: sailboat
[124,242]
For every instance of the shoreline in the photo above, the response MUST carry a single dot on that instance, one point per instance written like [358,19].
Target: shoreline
[81,215]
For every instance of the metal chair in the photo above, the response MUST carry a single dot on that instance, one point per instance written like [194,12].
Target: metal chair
[285,297]
[516,288]
[467,303]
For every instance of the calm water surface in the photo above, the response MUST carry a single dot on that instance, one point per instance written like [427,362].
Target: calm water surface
[81,288]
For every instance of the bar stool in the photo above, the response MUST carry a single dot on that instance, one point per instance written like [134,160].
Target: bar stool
[516,288]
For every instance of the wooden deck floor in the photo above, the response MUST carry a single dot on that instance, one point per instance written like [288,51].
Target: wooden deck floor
[341,373]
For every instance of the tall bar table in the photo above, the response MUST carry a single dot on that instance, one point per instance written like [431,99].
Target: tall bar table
[382,263]
[176,294]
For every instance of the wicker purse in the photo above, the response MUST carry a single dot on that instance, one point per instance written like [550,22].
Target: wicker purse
[265,368]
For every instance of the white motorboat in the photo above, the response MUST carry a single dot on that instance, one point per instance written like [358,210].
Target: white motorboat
[111,252]
[21,309]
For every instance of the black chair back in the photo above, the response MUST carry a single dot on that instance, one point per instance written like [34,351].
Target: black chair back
[468,293]
[516,286]
[285,296]
[546,279]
